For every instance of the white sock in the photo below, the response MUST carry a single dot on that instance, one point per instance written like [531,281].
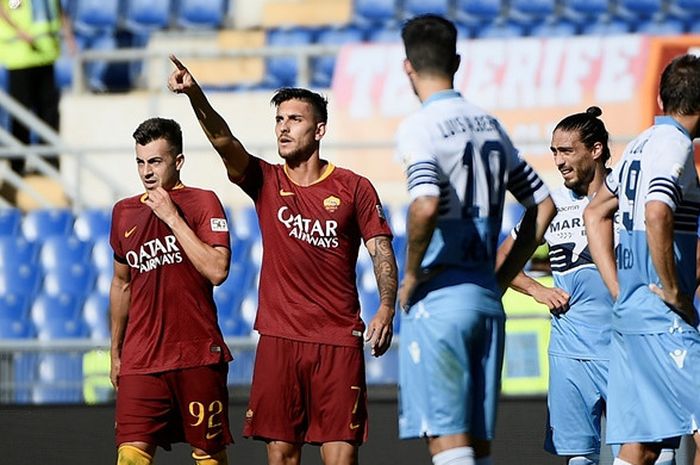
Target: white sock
[484,461]
[590,459]
[619,461]
[455,456]
[666,457]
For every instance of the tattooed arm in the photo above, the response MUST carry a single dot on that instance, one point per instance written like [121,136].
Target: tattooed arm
[379,330]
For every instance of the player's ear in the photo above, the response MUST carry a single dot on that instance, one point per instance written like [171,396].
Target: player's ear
[408,67]
[455,64]
[660,103]
[179,161]
[597,151]
[320,131]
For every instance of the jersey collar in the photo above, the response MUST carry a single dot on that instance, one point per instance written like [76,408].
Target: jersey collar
[442,95]
[659,120]
[330,167]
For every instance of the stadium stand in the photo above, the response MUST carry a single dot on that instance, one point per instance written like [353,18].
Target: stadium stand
[56,264]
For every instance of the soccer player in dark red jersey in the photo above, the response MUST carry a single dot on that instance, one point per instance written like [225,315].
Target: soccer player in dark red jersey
[308,381]
[169,359]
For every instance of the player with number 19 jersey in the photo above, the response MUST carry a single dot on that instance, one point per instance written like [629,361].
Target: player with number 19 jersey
[657,165]
[650,341]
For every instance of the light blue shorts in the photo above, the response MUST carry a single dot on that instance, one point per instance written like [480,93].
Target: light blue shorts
[654,386]
[575,405]
[450,360]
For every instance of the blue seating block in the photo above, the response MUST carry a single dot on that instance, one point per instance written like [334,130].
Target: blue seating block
[10,221]
[43,223]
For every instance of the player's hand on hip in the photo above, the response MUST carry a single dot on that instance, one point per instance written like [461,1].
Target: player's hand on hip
[181,80]
[162,205]
[680,303]
[556,300]
[380,331]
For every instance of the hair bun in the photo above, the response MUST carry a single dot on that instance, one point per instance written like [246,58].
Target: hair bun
[594,111]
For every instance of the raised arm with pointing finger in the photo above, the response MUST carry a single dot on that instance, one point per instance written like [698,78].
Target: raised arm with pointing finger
[232,152]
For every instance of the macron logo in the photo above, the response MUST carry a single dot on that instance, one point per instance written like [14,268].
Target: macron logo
[678,356]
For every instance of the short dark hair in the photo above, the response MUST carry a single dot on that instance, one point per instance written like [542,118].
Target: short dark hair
[160,128]
[431,44]
[680,86]
[318,102]
[589,127]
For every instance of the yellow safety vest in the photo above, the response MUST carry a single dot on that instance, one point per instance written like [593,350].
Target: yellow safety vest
[39,18]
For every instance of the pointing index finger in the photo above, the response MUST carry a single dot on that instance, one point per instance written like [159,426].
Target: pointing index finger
[178,64]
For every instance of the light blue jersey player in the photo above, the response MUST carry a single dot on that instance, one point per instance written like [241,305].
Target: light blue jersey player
[654,383]
[580,304]
[459,163]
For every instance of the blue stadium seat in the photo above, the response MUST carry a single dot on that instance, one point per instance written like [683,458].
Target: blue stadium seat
[102,255]
[369,303]
[90,16]
[13,306]
[399,243]
[77,279]
[476,11]
[245,223]
[25,374]
[60,307]
[413,8]
[560,28]
[96,316]
[533,8]
[16,250]
[10,220]
[61,329]
[397,219]
[249,307]
[282,71]
[227,300]
[640,8]
[375,12]
[43,223]
[201,14]
[24,279]
[147,15]
[234,326]
[384,35]
[500,30]
[667,27]
[323,66]
[60,379]
[587,8]
[606,27]
[92,223]
[103,282]
[61,251]
[12,328]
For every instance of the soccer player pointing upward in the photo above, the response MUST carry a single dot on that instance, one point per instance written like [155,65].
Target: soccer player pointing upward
[308,381]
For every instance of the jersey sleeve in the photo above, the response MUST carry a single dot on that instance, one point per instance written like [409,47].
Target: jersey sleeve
[212,225]
[614,178]
[114,241]
[416,153]
[524,183]
[668,180]
[252,179]
[370,213]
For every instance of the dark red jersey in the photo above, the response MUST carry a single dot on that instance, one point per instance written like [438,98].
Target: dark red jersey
[172,316]
[311,237]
